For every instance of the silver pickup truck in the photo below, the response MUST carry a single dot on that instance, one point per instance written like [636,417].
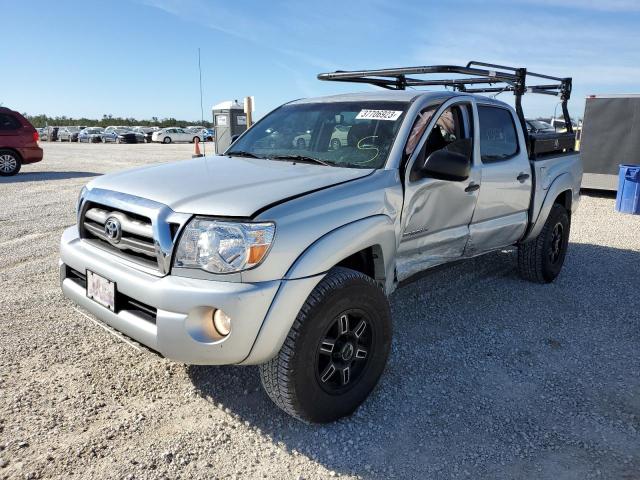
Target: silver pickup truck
[283,251]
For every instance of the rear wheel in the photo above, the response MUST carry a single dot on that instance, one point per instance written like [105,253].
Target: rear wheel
[166,140]
[336,349]
[540,260]
[10,163]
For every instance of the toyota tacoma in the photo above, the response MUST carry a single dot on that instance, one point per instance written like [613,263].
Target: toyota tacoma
[282,253]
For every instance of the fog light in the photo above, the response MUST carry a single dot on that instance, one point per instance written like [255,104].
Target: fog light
[222,322]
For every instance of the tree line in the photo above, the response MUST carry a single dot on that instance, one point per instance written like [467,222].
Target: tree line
[42,120]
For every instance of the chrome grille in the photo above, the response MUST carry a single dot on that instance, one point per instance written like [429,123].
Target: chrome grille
[137,235]
[135,241]
[146,230]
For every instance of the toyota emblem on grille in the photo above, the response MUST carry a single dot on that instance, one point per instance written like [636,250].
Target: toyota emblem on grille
[113,229]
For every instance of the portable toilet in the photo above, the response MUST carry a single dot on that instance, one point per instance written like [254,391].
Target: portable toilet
[229,120]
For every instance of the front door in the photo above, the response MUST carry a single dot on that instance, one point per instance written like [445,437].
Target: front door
[501,215]
[437,213]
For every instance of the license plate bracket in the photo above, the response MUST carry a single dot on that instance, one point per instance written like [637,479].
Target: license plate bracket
[101,290]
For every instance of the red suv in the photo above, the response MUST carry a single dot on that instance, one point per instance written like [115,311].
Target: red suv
[18,142]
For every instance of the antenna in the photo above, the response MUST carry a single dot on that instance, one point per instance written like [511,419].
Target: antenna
[204,144]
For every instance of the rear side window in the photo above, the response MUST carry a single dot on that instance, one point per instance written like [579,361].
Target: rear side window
[498,137]
[8,122]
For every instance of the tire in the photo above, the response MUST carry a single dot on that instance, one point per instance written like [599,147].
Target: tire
[300,379]
[540,260]
[335,144]
[117,140]
[166,140]
[10,163]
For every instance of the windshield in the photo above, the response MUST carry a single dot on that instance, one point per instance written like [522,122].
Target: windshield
[342,134]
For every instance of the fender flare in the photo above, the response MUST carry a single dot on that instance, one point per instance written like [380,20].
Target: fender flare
[561,184]
[335,246]
[310,268]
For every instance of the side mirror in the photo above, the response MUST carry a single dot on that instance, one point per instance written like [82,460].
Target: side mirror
[446,165]
[234,138]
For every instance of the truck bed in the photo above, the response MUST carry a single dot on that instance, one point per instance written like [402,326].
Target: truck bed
[547,169]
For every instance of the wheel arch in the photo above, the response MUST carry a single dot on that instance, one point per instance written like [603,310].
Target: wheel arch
[366,245]
[12,150]
[561,192]
[373,236]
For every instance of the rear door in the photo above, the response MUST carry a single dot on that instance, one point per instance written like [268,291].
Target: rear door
[182,135]
[501,214]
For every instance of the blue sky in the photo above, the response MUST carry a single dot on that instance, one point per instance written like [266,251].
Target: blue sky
[139,57]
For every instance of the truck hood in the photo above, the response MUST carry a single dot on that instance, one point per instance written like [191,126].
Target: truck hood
[224,186]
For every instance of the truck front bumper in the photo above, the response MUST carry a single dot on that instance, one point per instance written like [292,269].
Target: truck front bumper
[181,328]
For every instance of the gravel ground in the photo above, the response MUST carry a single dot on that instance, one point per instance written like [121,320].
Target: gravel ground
[489,376]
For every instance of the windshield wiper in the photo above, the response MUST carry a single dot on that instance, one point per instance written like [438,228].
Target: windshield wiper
[242,153]
[302,158]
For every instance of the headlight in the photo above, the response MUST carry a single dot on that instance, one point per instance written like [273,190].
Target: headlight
[223,247]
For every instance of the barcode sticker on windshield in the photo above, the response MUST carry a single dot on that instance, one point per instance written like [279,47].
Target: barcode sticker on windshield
[379,115]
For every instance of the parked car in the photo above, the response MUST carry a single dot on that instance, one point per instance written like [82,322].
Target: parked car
[69,134]
[43,134]
[284,257]
[539,126]
[122,135]
[91,135]
[560,125]
[339,137]
[205,134]
[52,133]
[18,142]
[174,134]
[147,132]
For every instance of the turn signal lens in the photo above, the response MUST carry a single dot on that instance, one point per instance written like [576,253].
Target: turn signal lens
[256,253]
[222,323]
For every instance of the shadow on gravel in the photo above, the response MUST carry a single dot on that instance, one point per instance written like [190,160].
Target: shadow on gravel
[43,176]
[489,376]
[590,192]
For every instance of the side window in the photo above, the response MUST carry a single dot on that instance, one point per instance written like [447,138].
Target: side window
[8,122]
[452,132]
[498,137]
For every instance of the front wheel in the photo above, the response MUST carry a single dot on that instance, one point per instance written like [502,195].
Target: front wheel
[336,349]
[10,163]
[540,260]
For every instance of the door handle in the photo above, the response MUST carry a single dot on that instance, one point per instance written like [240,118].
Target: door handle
[472,187]
[522,177]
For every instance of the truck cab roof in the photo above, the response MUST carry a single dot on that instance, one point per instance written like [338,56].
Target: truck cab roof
[407,96]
